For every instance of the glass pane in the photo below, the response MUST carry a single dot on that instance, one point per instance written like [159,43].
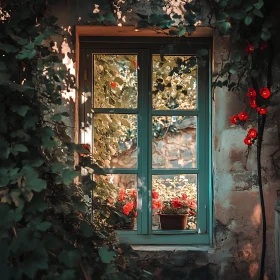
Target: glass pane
[174,83]
[122,196]
[174,202]
[115,140]
[174,142]
[115,81]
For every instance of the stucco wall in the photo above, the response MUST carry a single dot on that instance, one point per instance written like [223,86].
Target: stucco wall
[236,247]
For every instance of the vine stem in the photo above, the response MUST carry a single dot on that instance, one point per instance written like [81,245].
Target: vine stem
[261,124]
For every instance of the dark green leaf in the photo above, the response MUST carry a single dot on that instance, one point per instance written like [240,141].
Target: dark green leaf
[68,176]
[257,13]
[44,226]
[259,4]
[20,148]
[106,255]
[22,110]
[265,35]
[248,20]
[36,184]
[7,48]
[56,117]
[86,230]
[69,257]
[236,56]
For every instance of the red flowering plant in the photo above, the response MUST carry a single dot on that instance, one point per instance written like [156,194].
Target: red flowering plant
[126,206]
[175,196]
[242,117]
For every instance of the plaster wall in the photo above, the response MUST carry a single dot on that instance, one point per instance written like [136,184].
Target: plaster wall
[236,247]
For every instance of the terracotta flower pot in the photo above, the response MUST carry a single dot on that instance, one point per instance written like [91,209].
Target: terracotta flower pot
[173,221]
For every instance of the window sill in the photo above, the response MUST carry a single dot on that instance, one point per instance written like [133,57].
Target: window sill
[171,248]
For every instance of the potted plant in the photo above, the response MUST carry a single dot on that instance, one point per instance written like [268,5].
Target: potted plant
[126,207]
[174,212]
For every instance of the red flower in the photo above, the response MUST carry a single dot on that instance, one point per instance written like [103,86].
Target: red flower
[127,208]
[253,102]
[234,119]
[192,203]
[249,48]
[86,147]
[191,213]
[251,92]
[177,203]
[155,195]
[252,133]
[184,196]
[133,192]
[248,141]
[156,204]
[262,111]
[265,92]
[243,116]
[113,84]
[122,193]
[135,64]
[263,46]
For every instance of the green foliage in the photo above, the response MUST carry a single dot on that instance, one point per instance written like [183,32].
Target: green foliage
[46,231]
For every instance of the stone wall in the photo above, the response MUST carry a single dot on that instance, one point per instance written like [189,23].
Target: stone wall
[236,246]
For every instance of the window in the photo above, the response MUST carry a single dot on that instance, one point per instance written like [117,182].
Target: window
[151,132]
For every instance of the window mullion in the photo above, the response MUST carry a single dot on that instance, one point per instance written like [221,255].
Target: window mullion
[143,122]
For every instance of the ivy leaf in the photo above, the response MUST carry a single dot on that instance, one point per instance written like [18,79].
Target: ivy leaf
[257,13]
[233,68]
[22,110]
[236,56]
[224,26]
[106,255]
[36,184]
[110,17]
[182,30]
[4,150]
[20,148]
[86,230]
[7,48]
[68,176]
[69,257]
[265,35]
[44,226]
[248,20]
[69,274]
[259,4]
[56,117]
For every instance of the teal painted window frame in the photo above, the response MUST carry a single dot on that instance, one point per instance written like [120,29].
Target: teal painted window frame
[145,48]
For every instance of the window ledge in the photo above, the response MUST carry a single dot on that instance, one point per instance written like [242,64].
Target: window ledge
[160,248]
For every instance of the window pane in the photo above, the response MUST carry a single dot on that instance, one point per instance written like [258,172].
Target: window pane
[123,199]
[115,81]
[115,140]
[174,82]
[173,195]
[174,142]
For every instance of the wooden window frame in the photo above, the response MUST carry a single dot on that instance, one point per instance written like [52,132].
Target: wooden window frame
[144,46]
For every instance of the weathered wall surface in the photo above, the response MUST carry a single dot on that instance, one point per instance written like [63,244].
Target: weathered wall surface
[236,247]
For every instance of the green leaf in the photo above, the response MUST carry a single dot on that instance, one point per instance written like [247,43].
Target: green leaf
[69,274]
[110,17]
[182,30]
[69,257]
[20,148]
[233,69]
[259,4]
[86,230]
[257,13]
[44,226]
[265,35]
[106,255]
[248,20]
[57,167]
[68,176]
[224,26]
[236,56]
[237,14]
[56,117]
[36,184]
[247,7]
[22,110]
[4,150]
[7,48]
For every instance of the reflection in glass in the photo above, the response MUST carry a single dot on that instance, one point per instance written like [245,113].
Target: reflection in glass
[123,200]
[115,81]
[174,142]
[173,195]
[174,83]
[115,140]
